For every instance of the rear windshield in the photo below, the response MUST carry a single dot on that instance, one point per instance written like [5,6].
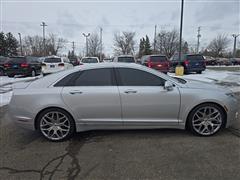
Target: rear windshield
[17,60]
[158,58]
[126,59]
[195,58]
[89,60]
[52,60]
[3,59]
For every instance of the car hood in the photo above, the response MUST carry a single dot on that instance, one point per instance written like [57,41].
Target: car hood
[194,84]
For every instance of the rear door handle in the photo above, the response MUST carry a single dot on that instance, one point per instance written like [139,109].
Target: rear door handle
[130,91]
[75,92]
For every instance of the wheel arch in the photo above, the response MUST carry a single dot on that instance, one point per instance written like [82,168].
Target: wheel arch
[209,102]
[52,107]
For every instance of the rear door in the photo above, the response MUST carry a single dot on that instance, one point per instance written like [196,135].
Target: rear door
[94,97]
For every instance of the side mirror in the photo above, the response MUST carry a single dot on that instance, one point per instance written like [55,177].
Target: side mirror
[168,86]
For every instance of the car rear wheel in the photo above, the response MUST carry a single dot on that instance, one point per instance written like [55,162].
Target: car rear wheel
[33,73]
[11,75]
[206,119]
[56,124]
[199,72]
[1,72]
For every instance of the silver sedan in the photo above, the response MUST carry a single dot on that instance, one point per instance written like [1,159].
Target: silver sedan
[119,96]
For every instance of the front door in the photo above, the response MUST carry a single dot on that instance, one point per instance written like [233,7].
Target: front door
[144,99]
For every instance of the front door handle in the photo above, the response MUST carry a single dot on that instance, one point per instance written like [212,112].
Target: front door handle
[75,92]
[130,91]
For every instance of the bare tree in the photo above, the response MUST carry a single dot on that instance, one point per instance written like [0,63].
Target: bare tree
[124,43]
[218,45]
[33,45]
[54,44]
[167,42]
[94,45]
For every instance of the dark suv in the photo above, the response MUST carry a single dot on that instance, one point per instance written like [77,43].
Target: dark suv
[2,62]
[27,66]
[158,62]
[190,62]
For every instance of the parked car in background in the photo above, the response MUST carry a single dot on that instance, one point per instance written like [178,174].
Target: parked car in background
[120,96]
[20,65]
[52,64]
[2,62]
[235,61]
[107,60]
[190,62]
[87,60]
[124,58]
[158,62]
[74,61]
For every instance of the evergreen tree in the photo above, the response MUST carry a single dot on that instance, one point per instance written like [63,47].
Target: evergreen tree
[2,44]
[141,47]
[11,44]
[147,46]
[185,48]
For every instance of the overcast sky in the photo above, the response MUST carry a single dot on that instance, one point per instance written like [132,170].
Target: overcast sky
[69,19]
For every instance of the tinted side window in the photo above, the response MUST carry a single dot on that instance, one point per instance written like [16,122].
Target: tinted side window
[134,77]
[93,77]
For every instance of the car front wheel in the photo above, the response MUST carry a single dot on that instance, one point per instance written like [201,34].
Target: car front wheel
[56,124]
[206,119]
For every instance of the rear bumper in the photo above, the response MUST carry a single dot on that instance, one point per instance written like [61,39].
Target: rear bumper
[50,71]
[189,69]
[17,71]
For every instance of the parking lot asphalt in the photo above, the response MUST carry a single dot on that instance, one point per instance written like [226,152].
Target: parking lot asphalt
[131,154]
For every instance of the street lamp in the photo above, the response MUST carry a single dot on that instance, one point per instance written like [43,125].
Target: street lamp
[180,69]
[86,36]
[20,40]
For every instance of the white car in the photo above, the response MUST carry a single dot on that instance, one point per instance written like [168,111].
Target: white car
[89,60]
[124,59]
[54,64]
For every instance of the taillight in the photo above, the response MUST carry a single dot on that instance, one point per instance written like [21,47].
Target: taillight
[24,65]
[149,64]
[186,62]
[61,64]
[6,65]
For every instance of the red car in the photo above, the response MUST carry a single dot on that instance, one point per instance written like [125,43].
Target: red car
[158,62]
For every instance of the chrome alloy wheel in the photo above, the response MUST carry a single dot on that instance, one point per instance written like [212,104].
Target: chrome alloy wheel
[207,120]
[55,125]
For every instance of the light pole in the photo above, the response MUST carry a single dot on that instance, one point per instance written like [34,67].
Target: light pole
[101,43]
[86,36]
[234,45]
[44,45]
[20,40]
[180,69]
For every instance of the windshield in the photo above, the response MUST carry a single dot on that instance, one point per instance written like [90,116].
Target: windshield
[195,58]
[16,60]
[52,60]
[126,59]
[158,58]
[89,60]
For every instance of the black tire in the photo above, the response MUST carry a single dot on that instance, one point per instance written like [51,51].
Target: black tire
[71,123]
[1,72]
[33,73]
[11,75]
[189,124]
[199,72]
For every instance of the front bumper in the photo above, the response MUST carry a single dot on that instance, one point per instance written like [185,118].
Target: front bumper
[232,111]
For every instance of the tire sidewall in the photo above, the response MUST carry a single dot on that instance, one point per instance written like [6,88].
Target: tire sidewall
[190,117]
[72,123]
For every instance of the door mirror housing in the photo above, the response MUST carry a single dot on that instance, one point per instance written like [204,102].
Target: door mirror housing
[168,86]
